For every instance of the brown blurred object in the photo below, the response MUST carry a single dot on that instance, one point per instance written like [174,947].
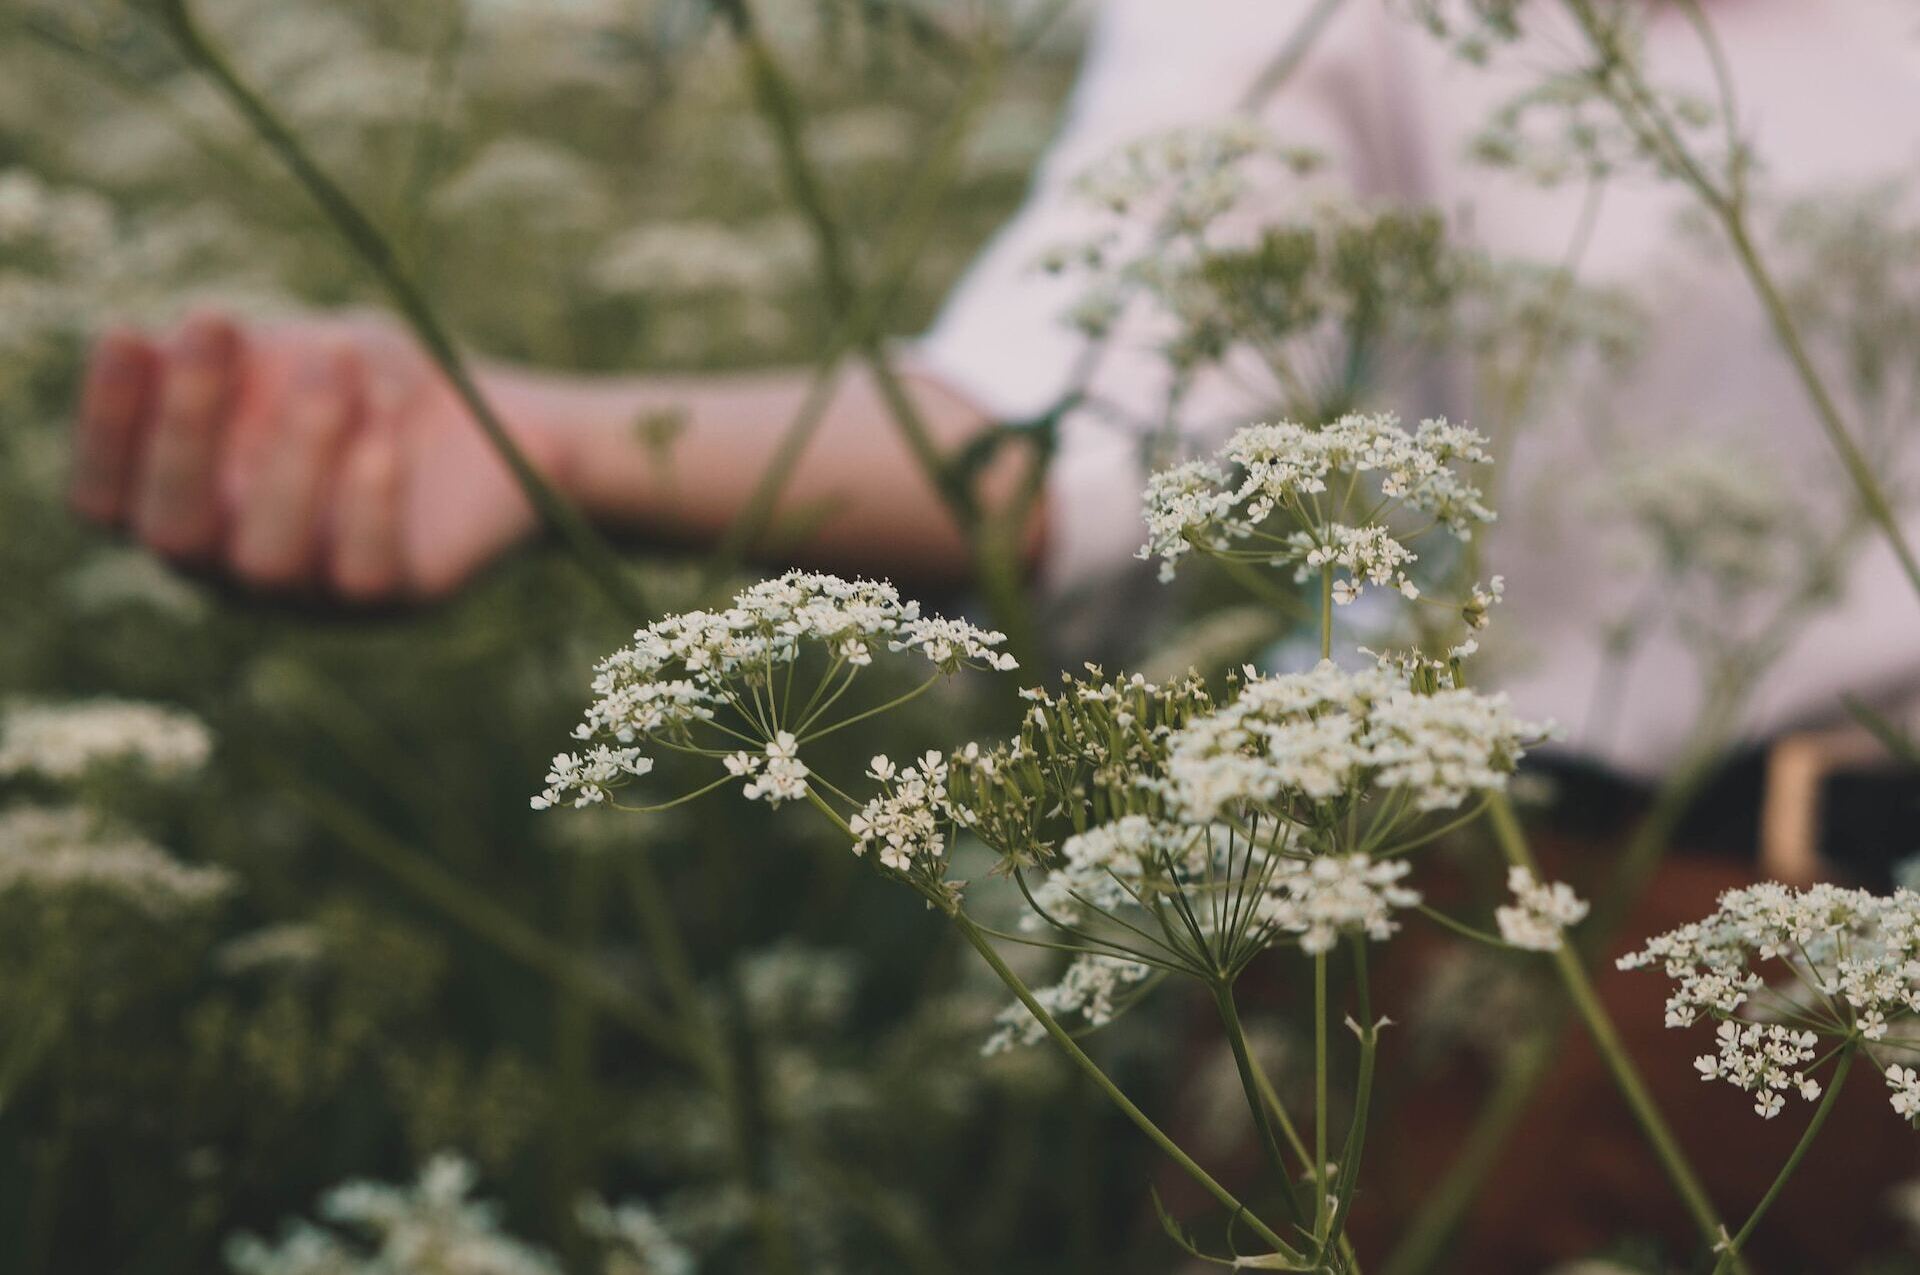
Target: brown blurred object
[1576,1176]
[1577,1173]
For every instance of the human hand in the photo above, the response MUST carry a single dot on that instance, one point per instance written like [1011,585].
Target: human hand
[324,454]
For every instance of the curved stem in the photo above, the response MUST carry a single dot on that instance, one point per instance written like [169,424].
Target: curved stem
[1320,1212]
[1262,1119]
[972,934]
[1733,1246]
[373,248]
[1606,1039]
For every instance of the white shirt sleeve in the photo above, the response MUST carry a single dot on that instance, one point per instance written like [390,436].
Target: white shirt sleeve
[1151,66]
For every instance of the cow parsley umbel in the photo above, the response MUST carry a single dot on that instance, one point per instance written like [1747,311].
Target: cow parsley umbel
[1795,978]
[753,684]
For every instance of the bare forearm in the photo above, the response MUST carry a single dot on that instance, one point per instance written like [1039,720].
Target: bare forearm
[856,499]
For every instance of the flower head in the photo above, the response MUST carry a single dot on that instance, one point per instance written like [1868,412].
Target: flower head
[1326,897]
[1289,742]
[1847,961]
[1311,478]
[702,678]
[1540,913]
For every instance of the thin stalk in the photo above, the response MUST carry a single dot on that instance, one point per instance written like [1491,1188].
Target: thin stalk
[779,106]
[1243,1062]
[864,321]
[973,934]
[1351,1150]
[479,915]
[1731,1253]
[1729,208]
[1606,1039]
[1326,612]
[1320,1214]
[596,558]
[988,953]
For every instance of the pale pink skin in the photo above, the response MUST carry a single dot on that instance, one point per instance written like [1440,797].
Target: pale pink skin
[328,455]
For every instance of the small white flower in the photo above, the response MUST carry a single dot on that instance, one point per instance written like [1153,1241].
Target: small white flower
[1336,894]
[907,823]
[1854,961]
[1088,988]
[68,850]
[681,674]
[1905,1084]
[782,777]
[1541,913]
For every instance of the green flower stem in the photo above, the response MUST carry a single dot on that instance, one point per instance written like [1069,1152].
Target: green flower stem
[1262,1118]
[479,915]
[1731,1252]
[1348,1179]
[1606,1039]
[1326,612]
[866,316]
[729,1081]
[988,953]
[1320,1213]
[1640,112]
[596,558]
[981,944]
[779,106]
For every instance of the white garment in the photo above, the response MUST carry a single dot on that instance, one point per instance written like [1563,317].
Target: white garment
[1829,93]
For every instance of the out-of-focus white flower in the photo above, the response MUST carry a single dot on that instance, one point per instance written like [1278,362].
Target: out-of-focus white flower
[634,1240]
[1087,988]
[429,1228]
[63,741]
[66,849]
[1541,912]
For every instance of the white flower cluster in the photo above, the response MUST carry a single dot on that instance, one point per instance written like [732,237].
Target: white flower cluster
[1715,515]
[1087,988]
[1283,467]
[1329,733]
[63,741]
[774,776]
[590,775]
[1905,1083]
[1765,1060]
[1322,898]
[1101,869]
[1853,959]
[907,822]
[429,1227]
[682,671]
[635,1241]
[1369,555]
[435,1227]
[1541,912]
[65,850]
